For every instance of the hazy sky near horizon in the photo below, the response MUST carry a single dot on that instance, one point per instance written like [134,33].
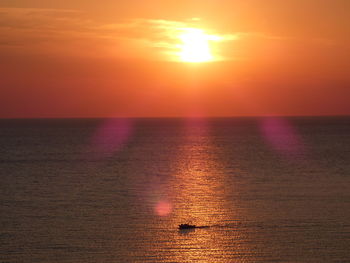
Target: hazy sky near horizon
[89,58]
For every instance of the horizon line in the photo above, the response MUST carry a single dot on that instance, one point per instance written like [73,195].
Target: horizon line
[175,117]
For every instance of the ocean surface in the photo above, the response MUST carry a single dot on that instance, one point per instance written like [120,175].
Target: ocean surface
[267,189]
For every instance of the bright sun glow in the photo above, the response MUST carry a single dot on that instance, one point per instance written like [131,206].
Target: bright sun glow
[195,46]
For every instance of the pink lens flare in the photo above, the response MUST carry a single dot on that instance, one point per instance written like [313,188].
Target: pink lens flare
[110,137]
[282,136]
[163,208]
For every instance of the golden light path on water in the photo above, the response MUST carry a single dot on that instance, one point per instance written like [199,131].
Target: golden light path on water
[199,199]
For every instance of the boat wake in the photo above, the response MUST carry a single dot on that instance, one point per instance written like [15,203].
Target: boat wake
[189,226]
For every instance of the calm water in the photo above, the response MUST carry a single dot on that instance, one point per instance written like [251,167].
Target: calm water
[270,190]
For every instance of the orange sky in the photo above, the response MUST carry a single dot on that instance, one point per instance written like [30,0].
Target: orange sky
[89,58]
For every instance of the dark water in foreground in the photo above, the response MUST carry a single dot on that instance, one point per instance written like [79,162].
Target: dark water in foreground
[271,190]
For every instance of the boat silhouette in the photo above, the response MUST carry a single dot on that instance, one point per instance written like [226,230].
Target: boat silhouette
[186,226]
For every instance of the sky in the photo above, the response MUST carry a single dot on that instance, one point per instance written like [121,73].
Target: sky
[128,58]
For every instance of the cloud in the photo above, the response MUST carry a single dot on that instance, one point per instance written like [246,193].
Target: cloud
[48,31]
[161,34]
[35,18]
[72,33]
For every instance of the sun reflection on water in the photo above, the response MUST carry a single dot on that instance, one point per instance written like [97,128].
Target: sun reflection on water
[198,197]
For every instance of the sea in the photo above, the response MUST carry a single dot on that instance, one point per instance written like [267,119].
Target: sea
[267,189]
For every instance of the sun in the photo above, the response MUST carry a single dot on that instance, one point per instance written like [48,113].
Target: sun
[195,46]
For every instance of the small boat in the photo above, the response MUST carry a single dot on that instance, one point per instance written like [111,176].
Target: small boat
[186,226]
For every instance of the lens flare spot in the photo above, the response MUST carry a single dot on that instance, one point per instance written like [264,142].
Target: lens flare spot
[163,208]
[282,136]
[110,137]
